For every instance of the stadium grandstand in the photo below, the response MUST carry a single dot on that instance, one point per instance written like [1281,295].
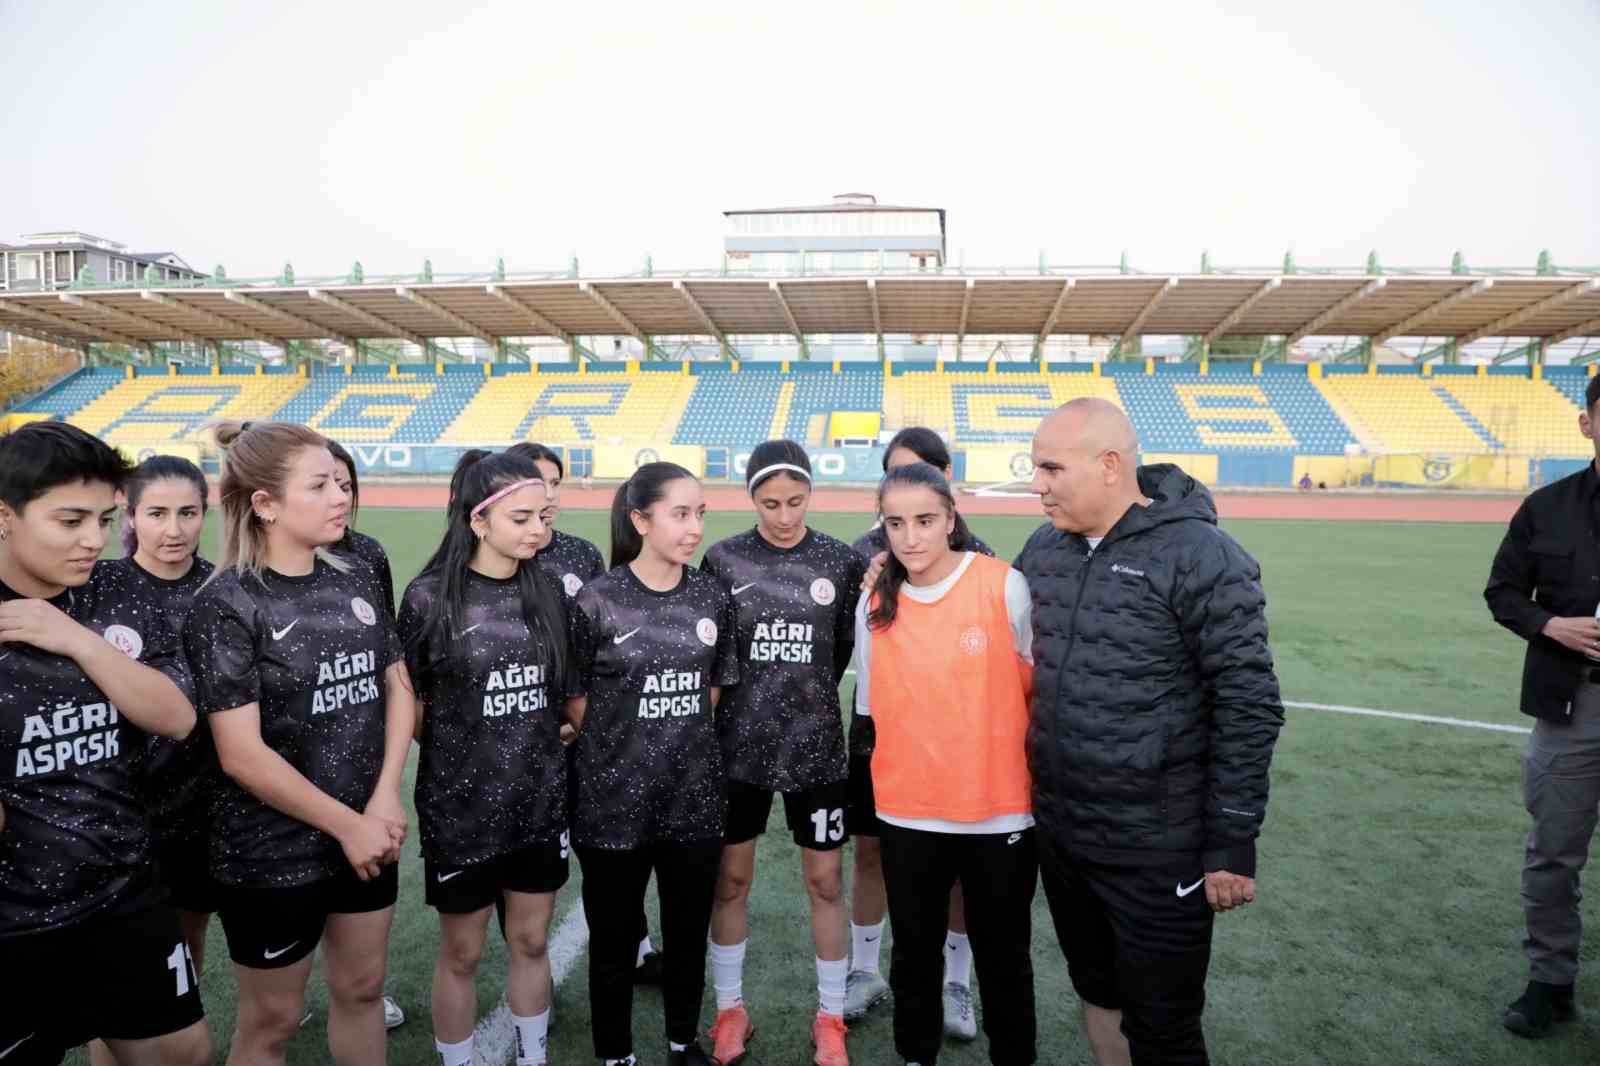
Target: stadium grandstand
[836,325]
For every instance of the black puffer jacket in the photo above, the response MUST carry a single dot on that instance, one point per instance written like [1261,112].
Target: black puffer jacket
[1155,706]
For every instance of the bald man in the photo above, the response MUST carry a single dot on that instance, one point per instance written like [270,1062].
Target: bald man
[1155,710]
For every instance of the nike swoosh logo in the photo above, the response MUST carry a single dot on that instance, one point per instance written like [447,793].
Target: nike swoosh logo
[740,588]
[280,951]
[279,634]
[445,877]
[870,939]
[621,637]
[1013,838]
[469,629]
[1185,891]
[18,1044]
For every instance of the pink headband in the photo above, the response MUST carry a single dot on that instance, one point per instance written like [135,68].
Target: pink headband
[508,490]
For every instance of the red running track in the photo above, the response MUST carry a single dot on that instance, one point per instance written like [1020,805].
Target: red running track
[1323,506]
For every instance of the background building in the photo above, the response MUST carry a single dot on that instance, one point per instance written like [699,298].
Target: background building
[853,233]
[43,261]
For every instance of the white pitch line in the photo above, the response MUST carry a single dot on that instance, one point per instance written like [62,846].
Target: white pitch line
[494,1041]
[1431,719]
[1373,712]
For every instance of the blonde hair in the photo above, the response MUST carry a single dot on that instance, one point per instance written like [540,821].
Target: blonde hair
[256,458]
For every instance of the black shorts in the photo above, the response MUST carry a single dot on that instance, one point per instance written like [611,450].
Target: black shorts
[537,868]
[817,816]
[184,868]
[1136,938]
[863,807]
[127,977]
[269,928]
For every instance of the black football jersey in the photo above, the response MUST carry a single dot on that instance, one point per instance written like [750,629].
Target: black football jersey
[76,842]
[570,562]
[370,553]
[311,651]
[178,779]
[648,762]
[492,774]
[795,618]
[863,738]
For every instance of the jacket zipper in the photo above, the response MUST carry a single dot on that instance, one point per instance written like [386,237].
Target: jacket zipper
[1072,639]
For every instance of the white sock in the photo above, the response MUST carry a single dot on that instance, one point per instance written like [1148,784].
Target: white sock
[645,948]
[454,1054]
[830,985]
[629,1061]
[727,973]
[532,1036]
[958,960]
[676,1047]
[865,940]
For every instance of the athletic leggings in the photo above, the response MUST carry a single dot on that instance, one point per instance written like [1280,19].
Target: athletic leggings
[998,874]
[613,896]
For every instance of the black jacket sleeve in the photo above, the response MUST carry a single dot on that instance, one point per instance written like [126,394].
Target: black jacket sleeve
[1512,579]
[1224,618]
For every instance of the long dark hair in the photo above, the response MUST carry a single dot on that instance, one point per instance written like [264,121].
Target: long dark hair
[639,493]
[436,644]
[340,455]
[922,442]
[927,476]
[157,468]
[463,464]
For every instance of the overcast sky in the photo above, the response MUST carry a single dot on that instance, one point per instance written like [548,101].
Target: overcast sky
[320,133]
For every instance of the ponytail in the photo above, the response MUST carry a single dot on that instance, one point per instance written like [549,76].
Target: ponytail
[639,493]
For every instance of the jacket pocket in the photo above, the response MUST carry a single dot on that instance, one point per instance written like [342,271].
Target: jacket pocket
[1552,563]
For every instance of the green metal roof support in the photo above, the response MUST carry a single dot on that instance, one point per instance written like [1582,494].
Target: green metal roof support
[1447,351]
[1534,350]
[1458,264]
[1374,267]
[1544,267]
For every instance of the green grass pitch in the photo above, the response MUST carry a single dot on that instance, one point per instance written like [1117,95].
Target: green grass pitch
[1387,927]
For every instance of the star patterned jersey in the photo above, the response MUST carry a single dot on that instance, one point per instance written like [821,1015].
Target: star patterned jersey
[648,761]
[492,774]
[76,842]
[795,620]
[312,652]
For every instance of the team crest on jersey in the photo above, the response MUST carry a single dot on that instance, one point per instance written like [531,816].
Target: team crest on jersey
[363,611]
[974,640]
[127,641]
[572,583]
[822,591]
[706,630]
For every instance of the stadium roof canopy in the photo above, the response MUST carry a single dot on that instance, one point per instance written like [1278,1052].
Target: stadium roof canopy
[1462,306]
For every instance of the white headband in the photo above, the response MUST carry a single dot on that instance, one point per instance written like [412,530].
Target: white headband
[775,468]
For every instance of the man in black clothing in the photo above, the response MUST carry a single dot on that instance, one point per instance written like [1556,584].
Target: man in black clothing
[1155,710]
[1544,586]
